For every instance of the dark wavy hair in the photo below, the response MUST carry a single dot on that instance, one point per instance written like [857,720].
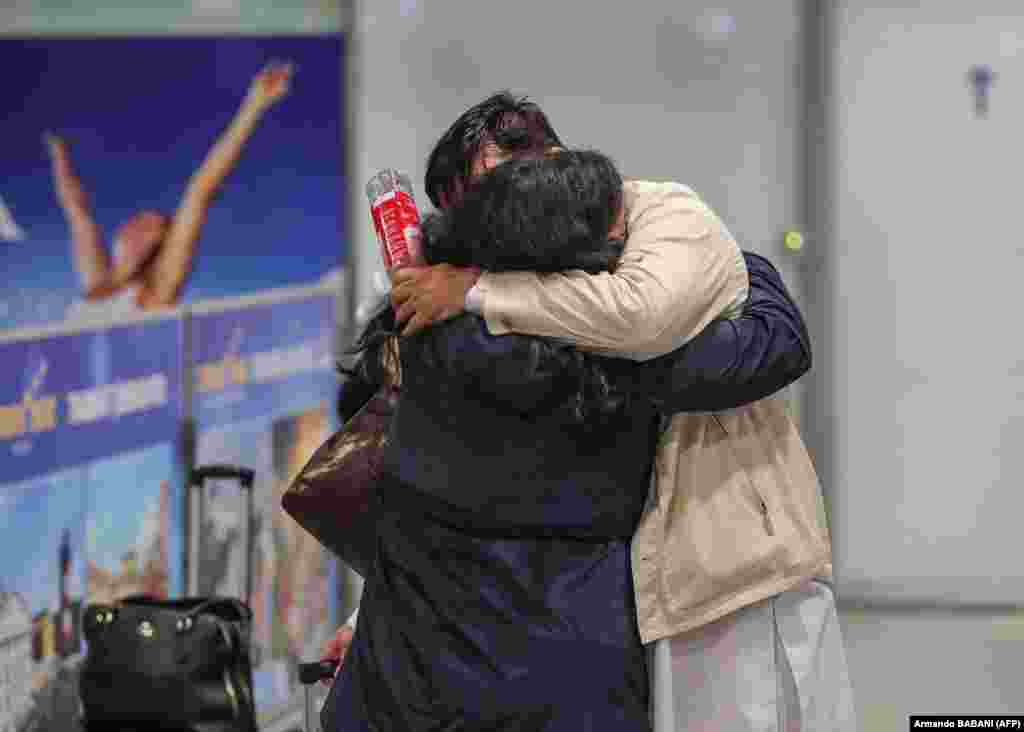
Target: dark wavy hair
[514,124]
[544,213]
[540,213]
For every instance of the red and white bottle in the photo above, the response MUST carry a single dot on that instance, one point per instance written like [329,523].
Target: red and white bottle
[395,218]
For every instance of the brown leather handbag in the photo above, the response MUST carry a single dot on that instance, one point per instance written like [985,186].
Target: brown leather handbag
[331,496]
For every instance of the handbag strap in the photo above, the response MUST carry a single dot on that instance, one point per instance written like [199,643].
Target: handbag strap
[217,602]
[204,605]
[236,639]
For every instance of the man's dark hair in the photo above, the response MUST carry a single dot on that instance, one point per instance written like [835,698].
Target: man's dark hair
[514,124]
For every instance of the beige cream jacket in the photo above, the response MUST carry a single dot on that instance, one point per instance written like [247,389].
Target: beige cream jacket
[734,513]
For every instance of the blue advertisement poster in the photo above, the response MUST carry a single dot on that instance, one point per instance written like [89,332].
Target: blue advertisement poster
[42,589]
[141,173]
[89,498]
[161,192]
[262,358]
[264,385]
[133,537]
[71,398]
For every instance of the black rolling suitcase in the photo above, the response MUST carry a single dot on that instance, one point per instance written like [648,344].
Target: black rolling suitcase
[180,665]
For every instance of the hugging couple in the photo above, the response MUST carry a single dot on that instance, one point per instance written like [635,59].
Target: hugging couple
[596,512]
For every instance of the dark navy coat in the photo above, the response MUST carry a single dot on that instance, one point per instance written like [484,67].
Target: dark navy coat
[501,592]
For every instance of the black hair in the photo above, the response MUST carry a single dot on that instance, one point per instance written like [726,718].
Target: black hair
[546,213]
[514,124]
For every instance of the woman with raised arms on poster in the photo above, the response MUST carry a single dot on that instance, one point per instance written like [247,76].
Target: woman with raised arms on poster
[153,253]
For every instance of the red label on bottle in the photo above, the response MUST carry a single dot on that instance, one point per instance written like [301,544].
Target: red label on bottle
[397,221]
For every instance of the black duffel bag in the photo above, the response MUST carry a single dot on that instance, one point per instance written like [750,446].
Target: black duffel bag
[182,665]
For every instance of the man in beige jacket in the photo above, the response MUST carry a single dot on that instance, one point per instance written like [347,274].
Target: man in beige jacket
[731,559]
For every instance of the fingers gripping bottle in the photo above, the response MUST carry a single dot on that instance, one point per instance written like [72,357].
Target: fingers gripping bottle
[396,218]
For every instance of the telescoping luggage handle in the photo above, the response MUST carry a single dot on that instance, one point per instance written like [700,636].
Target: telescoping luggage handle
[309,675]
[197,479]
[245,476]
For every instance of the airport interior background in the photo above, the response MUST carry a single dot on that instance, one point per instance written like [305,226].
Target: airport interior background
[859,145]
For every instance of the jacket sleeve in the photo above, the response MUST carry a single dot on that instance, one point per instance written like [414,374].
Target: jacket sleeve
[730,363]
[680,269]
[733,362]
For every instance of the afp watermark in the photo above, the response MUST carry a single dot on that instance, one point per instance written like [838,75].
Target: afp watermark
[966,721]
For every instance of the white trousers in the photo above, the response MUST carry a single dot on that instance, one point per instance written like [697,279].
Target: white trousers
[776,666]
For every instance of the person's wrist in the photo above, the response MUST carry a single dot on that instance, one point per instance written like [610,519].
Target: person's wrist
[472,276]
[473,297]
